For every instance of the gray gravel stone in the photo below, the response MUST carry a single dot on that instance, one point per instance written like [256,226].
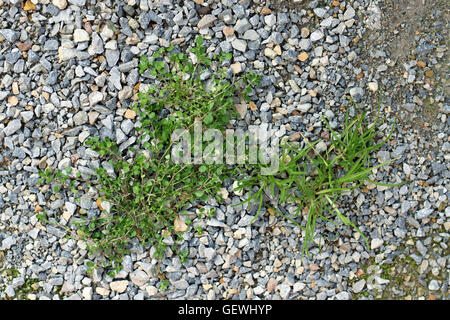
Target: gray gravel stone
[12,127]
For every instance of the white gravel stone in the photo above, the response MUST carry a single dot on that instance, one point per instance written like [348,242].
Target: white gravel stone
[376,243]
[95,97]
[80,35]
[358,286]
[349,13]
[316,35]
[285,289]
[343,296]
[119,286]
[207,21]
[139,278]
[373,86]
[433,285]
[321,147]
[151,291]
[239,45]
[270,20]
[60,4]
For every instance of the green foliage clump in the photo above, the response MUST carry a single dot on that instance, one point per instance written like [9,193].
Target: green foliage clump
[148,191]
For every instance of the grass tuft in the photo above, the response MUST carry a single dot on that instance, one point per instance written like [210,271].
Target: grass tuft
[315,181]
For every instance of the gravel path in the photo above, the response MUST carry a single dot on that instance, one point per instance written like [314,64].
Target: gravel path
[69,70]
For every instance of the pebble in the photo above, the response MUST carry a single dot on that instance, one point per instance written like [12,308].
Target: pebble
[12,127]
[285,289]
[434,285]
[207,21]
[349,13]
[423,213]
[80,35]
[316,35]
[321,147]
[343,296]
[236,68]
[376,243]
[373,86]
[130,114]
[139,278]
[239,45]
[102,291]
[80,118]
[228,32]
[60,4]
[359,286]
[119,286]
[303,56]
[13,101]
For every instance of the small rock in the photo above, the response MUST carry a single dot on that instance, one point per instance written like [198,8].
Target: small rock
[251,35]
[433,285]
[223,193]
[65,54]
[320,12]
[228,31]
[268,52]
[9,35]
[239,45]
[102,291]
[60,4]
[343,296]
[119,286]
[356,93]
[180,225]
[95,97]
[373,86]
[80,118]
[304,32]
[241,109]
[304,107]
[236,68]
[271,284]
[383,156]
[285,289]
[80,35]
[181,284]
[96,46]
[139,278]
[349,13]
[13,101]
[358,286]
[242,25]
[265,11]
[321,147]
[207,21]
[316,35]
[376,243]
[78,3]
[302,56]
[151,290]
[423,213]
[305,44]
[129,114]
[125,93]
[270,20]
